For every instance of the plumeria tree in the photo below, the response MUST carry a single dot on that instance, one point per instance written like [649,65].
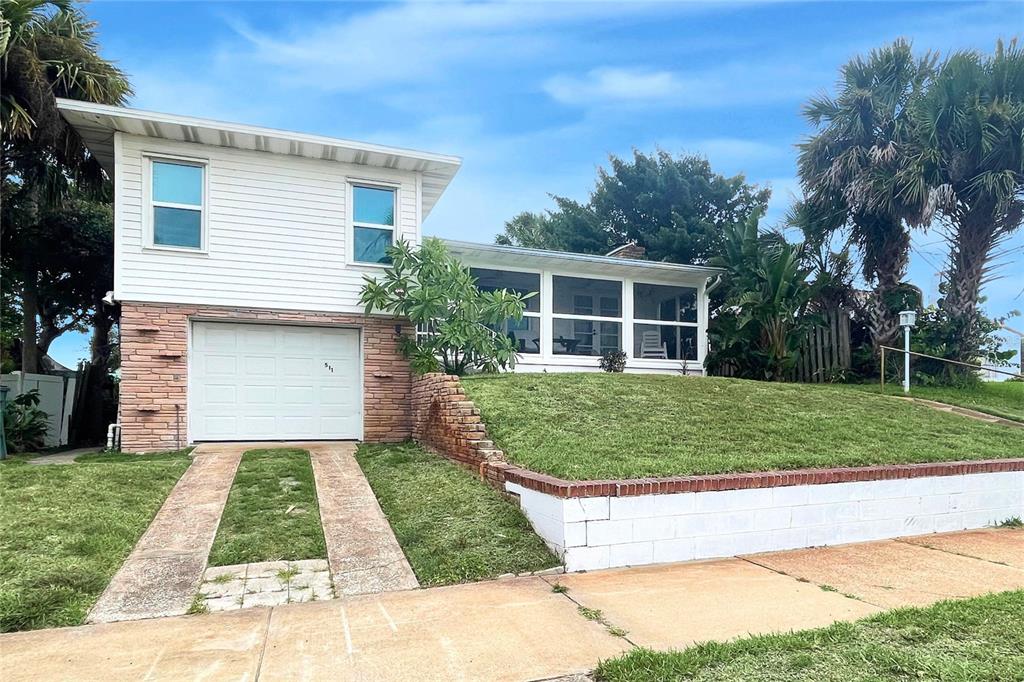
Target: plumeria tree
[457,324]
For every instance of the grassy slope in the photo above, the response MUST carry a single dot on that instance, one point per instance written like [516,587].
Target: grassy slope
[974,639]
[1002,399]
[256,525]
[586,426]
[65,530]
[452,527]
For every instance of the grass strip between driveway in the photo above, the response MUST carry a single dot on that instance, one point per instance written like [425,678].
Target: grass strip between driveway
[452,527]
[606,426]
[66,529]
[272,512]
[972,639]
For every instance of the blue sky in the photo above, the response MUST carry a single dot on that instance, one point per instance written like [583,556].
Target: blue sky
[535,96]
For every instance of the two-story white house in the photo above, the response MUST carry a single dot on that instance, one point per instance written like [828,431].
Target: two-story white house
[240,254]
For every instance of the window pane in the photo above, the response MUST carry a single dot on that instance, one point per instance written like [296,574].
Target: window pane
[374,205]
[177,183]
[519,282]
[654,341]
[585,337]
[581,296]
[671,304]
[177,227]
[371,245]
[525,333]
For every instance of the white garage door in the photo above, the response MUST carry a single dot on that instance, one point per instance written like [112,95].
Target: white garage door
[274,382]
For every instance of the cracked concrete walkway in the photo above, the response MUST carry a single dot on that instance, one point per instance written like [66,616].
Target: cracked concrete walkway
[362,550]
[519,629]
[161,575]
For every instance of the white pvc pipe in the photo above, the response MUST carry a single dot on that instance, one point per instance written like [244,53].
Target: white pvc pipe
[906,359]
[111,430]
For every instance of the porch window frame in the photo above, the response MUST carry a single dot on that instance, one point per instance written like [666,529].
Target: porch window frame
[549,341]
[698,324]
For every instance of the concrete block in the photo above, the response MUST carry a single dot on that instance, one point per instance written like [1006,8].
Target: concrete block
[575,534]
[945,523]
[609,532]
[773,519]
[632,554]
[695,525]
[787,538]
[638,507]
[790,495]
[675,505]
[587,558]
[729,523]
[889,508]
[585,509]
[662,528]
[666,551]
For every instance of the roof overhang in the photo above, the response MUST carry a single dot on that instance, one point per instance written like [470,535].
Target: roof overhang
[520,257]
[97,123]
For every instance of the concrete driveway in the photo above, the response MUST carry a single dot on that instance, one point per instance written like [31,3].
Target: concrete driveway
[520,629]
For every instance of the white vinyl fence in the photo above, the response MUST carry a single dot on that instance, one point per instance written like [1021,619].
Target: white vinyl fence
[56,399]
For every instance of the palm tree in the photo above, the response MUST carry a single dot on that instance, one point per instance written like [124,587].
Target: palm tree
[48,49]
[848,169]
[969,163]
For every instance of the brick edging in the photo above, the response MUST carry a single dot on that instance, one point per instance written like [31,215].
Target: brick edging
[448,422]
[767,479]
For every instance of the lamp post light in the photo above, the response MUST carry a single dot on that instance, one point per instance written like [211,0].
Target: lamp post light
[907,320]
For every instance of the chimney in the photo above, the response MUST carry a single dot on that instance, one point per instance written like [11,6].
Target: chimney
[632,250]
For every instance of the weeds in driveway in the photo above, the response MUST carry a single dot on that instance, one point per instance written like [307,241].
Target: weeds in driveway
[259,521]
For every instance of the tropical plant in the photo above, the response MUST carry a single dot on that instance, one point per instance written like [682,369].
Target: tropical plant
[674,207]
[25,425]
[457,325]
[766,314]
[939,334]
[48,49]
[968,163]
[848,168]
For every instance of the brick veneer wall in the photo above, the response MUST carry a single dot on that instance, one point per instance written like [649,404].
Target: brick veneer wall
[153,411]
[445,420]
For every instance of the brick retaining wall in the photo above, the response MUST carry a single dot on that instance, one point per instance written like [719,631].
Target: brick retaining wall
[153,409]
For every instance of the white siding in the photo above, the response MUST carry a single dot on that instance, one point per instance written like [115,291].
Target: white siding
[277,230]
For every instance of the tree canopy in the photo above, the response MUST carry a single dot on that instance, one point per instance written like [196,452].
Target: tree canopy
[677,208]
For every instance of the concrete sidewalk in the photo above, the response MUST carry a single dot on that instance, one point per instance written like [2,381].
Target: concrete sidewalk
[520,629]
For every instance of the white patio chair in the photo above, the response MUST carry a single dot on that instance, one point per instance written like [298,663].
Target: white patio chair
[651,346]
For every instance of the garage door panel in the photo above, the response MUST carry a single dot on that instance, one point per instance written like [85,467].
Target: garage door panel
[274,382]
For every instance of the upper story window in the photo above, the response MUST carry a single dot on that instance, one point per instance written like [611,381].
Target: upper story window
[177,203]
[373,223]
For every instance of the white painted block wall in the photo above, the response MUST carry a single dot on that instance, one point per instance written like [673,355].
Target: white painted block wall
[604,532]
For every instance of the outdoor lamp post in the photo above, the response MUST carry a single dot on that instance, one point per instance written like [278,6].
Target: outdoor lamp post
[907,320]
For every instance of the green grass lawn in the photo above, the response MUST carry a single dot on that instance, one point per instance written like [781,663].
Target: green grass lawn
[973,639]
[589,426]
[1003,399]
[272,511]
[453,527]
[65,529]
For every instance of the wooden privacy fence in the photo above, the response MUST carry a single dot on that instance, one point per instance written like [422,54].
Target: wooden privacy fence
[823,352]
[826,349]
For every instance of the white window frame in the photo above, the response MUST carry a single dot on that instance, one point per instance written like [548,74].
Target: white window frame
[538,314]
[668,323]
[151,205]
[549,342]
[352,183]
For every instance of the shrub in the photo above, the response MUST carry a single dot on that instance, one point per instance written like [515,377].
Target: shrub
[457,322]
[25,424]
[613,361]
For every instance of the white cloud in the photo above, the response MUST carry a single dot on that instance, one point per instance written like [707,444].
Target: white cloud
[613,84]
[720,86]
[408,43]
